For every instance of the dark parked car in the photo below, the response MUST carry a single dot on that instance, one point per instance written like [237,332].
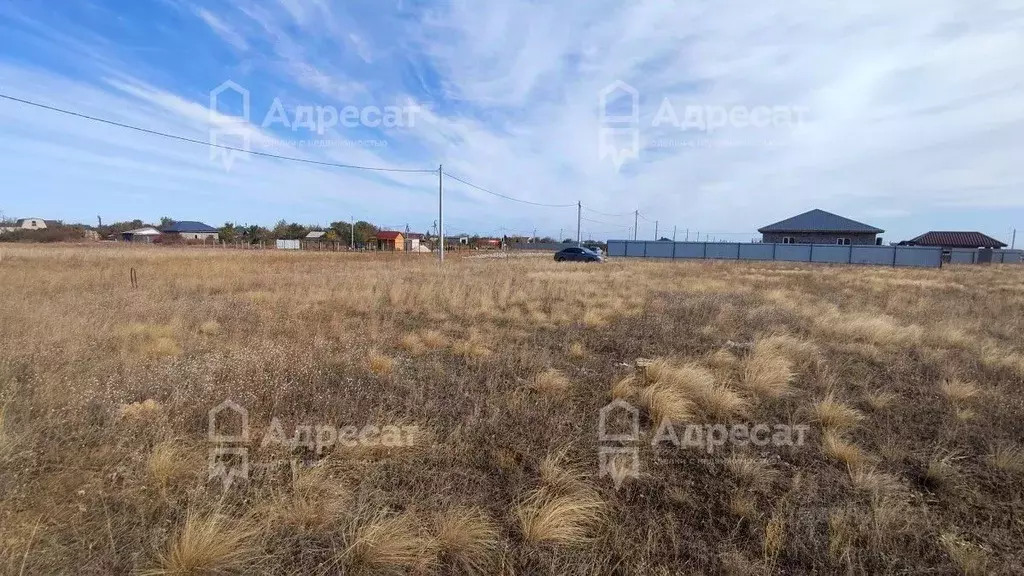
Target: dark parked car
[577,255]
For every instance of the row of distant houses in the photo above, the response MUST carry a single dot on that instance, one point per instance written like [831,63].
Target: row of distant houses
[821,227]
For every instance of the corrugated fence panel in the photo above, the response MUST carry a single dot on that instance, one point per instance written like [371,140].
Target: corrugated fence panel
[962,256]
[873,255]
[830,254]
[918,256]
[635,248]
[757,251]
[724,251]
[793,252]
[660,249]
[689,249]
[823,253]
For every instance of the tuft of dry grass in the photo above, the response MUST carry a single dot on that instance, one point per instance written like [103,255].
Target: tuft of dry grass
[767,371]
[576,350]
[146,410]
[750,471]
[837,448]
[169,463]
[869,480]
[697,385]
[834,415]
[380,364]
[970,558]
[388,544]
[958,391]
[1008,458]
[413,344]
[208,544]
[941,472]
[665,403]
[550,381]
[471,348]
[624,388]
[742,505]
[468,538]
[880,400]
[209,328]
[774,537]
[563,519]
[433,339]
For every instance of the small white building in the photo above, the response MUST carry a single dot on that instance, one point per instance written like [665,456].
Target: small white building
[145,235]
[30,224]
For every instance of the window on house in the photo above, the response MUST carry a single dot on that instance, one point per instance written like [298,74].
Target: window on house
[788,240]
[843,241]
[33,223]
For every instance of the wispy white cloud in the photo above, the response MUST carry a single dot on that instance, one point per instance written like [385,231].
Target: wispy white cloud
[227,33]
[908,104]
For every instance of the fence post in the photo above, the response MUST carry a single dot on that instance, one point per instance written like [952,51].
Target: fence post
[850,259]
[705,251]
[774,246]
[810,258]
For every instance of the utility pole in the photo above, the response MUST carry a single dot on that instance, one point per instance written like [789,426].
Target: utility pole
[636,222]
[1013,241]
[687,239]
[655,229]
[579,222]
[560,237]
[440,211]
[352,232]
[673,233]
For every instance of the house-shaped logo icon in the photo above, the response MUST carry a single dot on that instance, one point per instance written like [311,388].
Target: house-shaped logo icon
[608,94]
[608,414]
[216,116]
[223,413]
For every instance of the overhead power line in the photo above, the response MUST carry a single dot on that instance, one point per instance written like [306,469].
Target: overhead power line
[605,223]
[606,214]
[202,143]
[471,185]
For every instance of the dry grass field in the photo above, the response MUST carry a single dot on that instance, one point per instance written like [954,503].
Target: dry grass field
[911,383]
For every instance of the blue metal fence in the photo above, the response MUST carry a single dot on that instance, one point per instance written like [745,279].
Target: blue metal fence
[825,253]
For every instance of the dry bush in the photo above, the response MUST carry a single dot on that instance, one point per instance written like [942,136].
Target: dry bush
[550,381]
[208,544]
[834,415]
[563,519]
[468,538]
[382,543]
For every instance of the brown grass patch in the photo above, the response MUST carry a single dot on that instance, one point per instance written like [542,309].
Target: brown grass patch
[208,544]
[563,519]
[834,415]
[469,539]
[550,381]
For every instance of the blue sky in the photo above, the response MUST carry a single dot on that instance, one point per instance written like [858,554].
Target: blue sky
[905,115]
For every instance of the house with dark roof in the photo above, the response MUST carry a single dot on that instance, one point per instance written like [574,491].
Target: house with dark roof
[948,240]
[820,227]
[190,230]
